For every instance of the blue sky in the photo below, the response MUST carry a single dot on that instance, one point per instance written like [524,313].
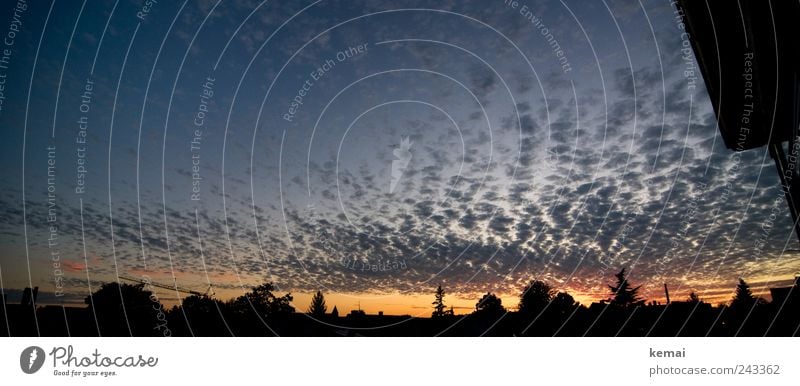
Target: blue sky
[559,140]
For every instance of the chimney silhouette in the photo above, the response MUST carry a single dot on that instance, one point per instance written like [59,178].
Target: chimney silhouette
[26,297]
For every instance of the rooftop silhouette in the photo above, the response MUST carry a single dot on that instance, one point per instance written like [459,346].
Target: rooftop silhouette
[132,310]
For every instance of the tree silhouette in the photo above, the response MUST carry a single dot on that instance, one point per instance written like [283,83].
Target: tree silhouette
[743,317]
[623,294]
[693,297]
[743,297]
[317,306]
[535,297]
[489,305]
[264,302]
[205,315]
[563,303]
[119,307]
[335,312]
[438,304]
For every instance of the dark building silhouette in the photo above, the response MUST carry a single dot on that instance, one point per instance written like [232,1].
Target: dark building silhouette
[786,295]
[356,314]
[750,47]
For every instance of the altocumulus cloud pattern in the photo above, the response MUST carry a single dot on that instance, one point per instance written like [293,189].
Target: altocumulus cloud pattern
[373,151]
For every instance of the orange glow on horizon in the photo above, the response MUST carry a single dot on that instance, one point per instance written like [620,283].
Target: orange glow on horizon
[419,304]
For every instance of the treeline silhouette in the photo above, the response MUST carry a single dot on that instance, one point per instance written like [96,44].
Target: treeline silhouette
[133,310]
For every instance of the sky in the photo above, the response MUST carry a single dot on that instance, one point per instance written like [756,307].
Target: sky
[373,151]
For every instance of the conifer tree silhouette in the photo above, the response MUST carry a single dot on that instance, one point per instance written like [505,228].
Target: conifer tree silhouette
[438,304]
[743,297]
[623,294]
[317,306]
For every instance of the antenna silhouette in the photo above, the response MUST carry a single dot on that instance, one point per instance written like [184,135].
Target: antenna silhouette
[166,286]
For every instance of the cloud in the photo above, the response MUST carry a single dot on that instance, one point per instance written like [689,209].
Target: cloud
[566,177]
